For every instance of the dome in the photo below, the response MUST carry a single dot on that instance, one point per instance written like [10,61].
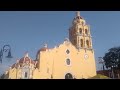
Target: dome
[22,61]
[26,59]
[43,48]
[13,65]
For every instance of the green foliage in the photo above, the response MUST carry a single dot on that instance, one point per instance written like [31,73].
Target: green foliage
[112,58]
[99,76]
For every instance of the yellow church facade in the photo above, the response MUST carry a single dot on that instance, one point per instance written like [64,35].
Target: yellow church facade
[73,59]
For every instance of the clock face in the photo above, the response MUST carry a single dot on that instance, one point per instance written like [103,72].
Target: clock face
[86,56]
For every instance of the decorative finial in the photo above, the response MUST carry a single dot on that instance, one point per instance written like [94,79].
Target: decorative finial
[26,55]
[77,13]
[45,45]
[17,61]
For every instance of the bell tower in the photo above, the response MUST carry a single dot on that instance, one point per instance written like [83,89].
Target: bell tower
[79,33]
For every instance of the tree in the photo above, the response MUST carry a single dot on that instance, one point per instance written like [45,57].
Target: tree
[112,58]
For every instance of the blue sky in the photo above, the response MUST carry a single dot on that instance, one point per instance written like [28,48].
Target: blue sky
[29,30]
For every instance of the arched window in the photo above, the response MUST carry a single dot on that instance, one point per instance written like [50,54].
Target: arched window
[80,30]
[78,17]
[67,51]
[74,41]
[87,43]
[25,74]
[86,31]
[68,76]
[81,42]
[68,61]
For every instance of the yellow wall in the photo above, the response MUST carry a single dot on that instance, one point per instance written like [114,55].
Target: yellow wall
[53,63]
[12,73]
[36,74]
[55,60]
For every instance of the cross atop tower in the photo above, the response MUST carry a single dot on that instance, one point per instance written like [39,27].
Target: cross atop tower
[78,13]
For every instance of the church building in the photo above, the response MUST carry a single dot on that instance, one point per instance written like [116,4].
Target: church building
[72,59]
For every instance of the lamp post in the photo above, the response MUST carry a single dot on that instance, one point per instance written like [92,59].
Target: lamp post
[5,48]
[112,72]
[101,61]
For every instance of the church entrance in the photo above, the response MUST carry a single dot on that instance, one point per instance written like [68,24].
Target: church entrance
[68,76]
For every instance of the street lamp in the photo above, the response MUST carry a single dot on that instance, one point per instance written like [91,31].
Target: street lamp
[6,48]
[101,61]
[112,72]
